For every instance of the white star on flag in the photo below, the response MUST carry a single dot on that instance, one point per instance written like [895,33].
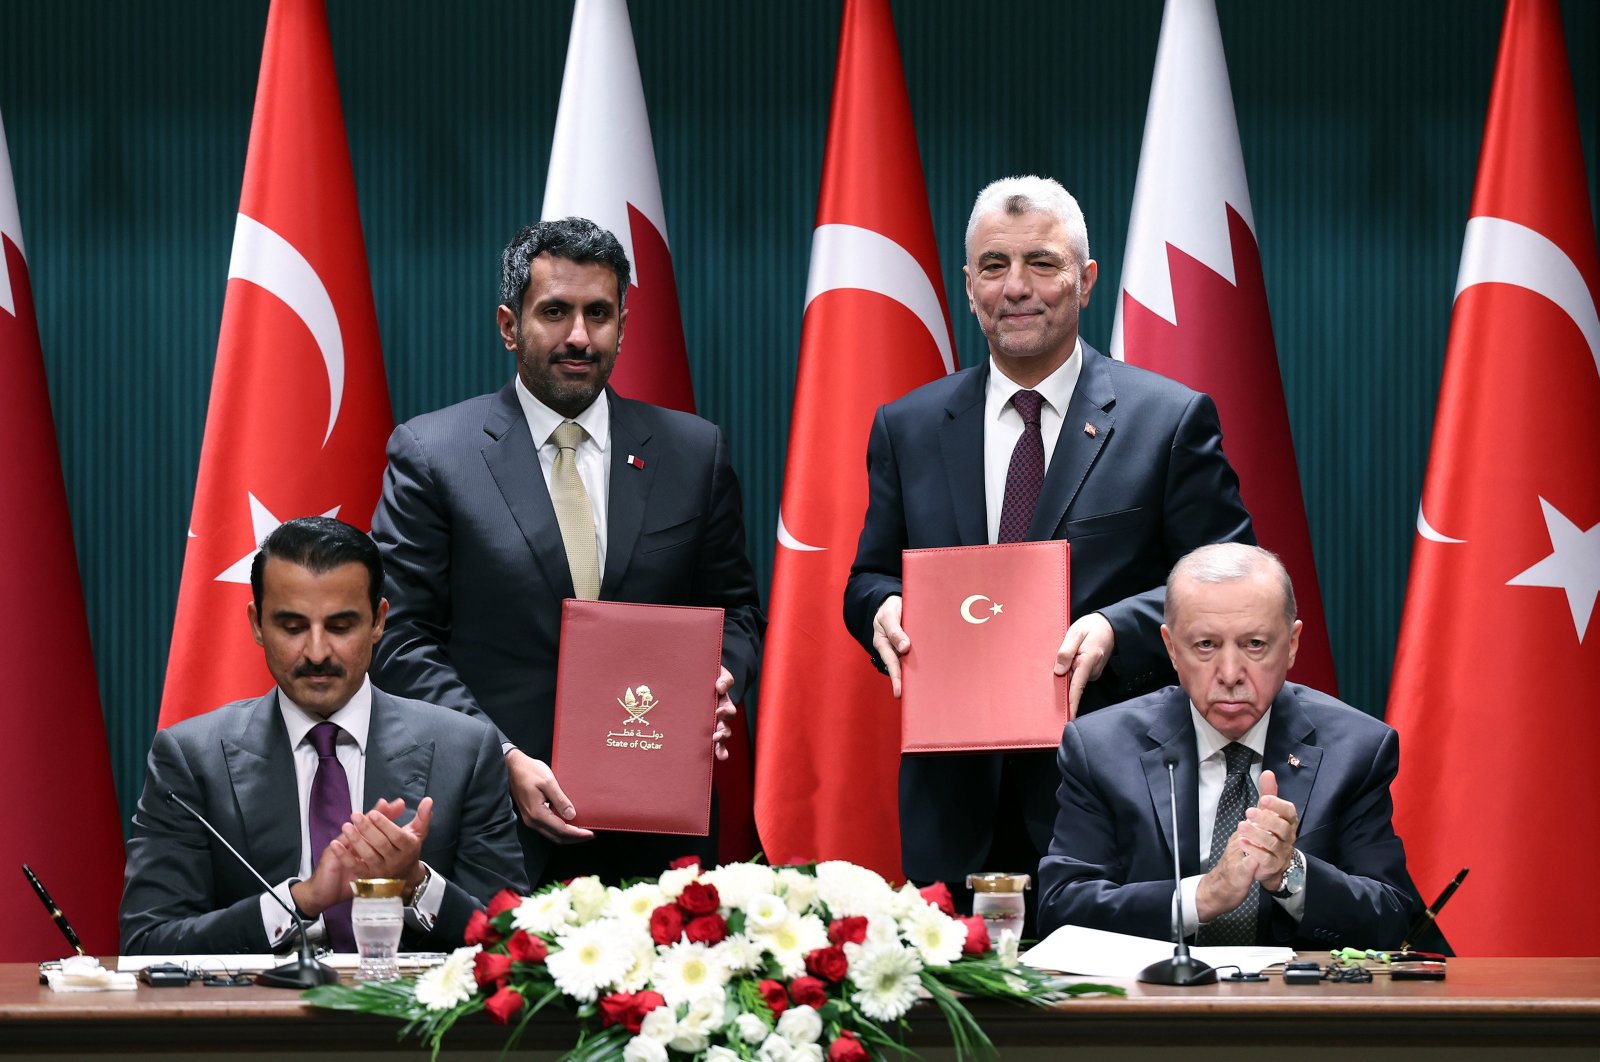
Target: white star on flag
[262,524]
[1573,565]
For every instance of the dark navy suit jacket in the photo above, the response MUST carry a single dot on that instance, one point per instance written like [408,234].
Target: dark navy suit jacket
[1147,486]
[1110,864]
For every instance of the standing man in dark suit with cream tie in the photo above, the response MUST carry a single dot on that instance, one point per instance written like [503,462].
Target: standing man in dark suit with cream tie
[496,509]
[1046,439]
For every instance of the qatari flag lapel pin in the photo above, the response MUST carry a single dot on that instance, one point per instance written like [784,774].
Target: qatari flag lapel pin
[635,461]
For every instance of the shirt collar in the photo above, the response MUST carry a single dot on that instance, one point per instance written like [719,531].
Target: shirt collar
[1056,389]
[1209,742]
[355,718]
[542,420]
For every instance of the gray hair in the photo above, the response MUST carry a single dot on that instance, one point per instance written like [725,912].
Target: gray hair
[1025,195]
[1229,562]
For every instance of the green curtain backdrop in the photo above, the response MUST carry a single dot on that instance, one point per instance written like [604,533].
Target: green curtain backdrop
[128,123]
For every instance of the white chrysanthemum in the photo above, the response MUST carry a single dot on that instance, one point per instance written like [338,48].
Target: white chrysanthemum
[588,898]
[592,958]
[687,972]
[544,913]
[660,1025]
[718,1053]
[695,1027]
[451,983]
[800,1025]
[789,942]
[738,953]
[737,882]
[886,982]
[798,888]
[641,954]
[636,901]
[906,899]
[849,890]
[765,911]
[775,1049]
[672,882]
[1006,948]
[751,1029]
[643,1049]
[937,937]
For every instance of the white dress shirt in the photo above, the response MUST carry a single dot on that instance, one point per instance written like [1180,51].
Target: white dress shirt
[1213,773]
[354,721]
[594,452]
[1002,426]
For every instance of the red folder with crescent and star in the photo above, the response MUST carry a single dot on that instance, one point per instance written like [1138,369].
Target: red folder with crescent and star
[985,624]
[635,711]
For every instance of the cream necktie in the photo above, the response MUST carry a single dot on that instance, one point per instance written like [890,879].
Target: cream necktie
[573,511]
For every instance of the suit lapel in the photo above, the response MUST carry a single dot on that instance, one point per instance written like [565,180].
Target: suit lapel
[630,488]
[1076,449]
[398,764]
[1290,735]
[261,770]
[1173,737]
[961,447]
[514,464]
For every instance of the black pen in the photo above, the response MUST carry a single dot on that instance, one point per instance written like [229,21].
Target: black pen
[55,912]
[1433,912]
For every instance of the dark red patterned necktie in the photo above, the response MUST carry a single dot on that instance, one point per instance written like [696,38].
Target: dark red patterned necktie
[1025,477]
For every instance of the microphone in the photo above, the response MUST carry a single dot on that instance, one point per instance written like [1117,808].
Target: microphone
[1182,969]
[304,972]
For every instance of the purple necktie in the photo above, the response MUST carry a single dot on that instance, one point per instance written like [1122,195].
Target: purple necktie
[1026,475]
[330,810]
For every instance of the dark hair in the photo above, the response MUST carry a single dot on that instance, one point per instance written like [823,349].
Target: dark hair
[320,544]
[575,239]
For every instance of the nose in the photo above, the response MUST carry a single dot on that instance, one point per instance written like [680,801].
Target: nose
[1230,665]
[1018,284]
[316,645]
[578,337]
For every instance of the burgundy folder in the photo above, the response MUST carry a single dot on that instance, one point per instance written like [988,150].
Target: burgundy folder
[635,710]
[985,624]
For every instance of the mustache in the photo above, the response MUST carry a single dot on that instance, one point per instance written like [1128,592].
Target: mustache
[588,357]
[329,669]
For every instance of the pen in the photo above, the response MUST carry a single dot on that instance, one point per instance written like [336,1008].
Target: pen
[55,912]
[1432,912]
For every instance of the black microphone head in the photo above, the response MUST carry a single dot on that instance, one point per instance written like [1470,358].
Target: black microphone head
[1170,760]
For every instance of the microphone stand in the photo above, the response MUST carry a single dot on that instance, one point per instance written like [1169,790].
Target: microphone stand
[303,972]
[1183,968]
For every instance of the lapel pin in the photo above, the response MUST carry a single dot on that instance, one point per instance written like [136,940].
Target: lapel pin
[1090,430]
[1294,761]
[635,461]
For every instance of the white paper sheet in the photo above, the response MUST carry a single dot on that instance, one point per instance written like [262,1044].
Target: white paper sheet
[1097,953]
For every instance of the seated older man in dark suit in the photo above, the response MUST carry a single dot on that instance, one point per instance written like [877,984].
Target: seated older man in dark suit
[1283,792]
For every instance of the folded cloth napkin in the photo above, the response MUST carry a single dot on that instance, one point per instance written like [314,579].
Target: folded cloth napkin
[83,973]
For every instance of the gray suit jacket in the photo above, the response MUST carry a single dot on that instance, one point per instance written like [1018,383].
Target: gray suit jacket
[185,894]
[1110,864]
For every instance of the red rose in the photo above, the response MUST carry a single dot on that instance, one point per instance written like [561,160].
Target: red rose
[616,1009]
[707,929]
[808,992]
[977,935]
[479,931]
[643,1003]
[938,894]
[504,900]
[525,947]
[684,862]
[698,899]
[666,924]
[828,963]
[847,1049]
[491,968]
[503,1005]
[774,995]
[852,930]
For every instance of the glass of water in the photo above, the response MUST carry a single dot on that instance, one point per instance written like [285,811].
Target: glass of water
[377,916]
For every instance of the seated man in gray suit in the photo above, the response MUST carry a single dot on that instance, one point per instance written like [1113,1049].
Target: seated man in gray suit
[1283,792]
[312,782]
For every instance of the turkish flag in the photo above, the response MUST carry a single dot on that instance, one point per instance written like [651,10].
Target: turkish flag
[299,405]
[603,167]
[828,753]
[1495,679]
[61,808]
[1193,304]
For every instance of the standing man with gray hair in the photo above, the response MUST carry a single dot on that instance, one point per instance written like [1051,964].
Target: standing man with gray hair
[1283,801]
[1046,439]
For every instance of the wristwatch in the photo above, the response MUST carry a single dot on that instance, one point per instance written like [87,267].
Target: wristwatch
[1294,879]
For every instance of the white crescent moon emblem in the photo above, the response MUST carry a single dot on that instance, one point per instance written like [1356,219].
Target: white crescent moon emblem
[268,260]
[848,256]
[788,540]
[966,609]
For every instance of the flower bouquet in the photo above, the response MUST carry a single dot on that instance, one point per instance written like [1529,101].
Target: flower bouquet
[745,961]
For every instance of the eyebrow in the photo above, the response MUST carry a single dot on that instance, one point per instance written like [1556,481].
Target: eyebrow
[289,614]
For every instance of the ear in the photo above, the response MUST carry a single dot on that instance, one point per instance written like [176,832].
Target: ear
[1294,641]
[506,320]
[966,273]
[255,623]
[1166,640]
[1086,279]
[377,626]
